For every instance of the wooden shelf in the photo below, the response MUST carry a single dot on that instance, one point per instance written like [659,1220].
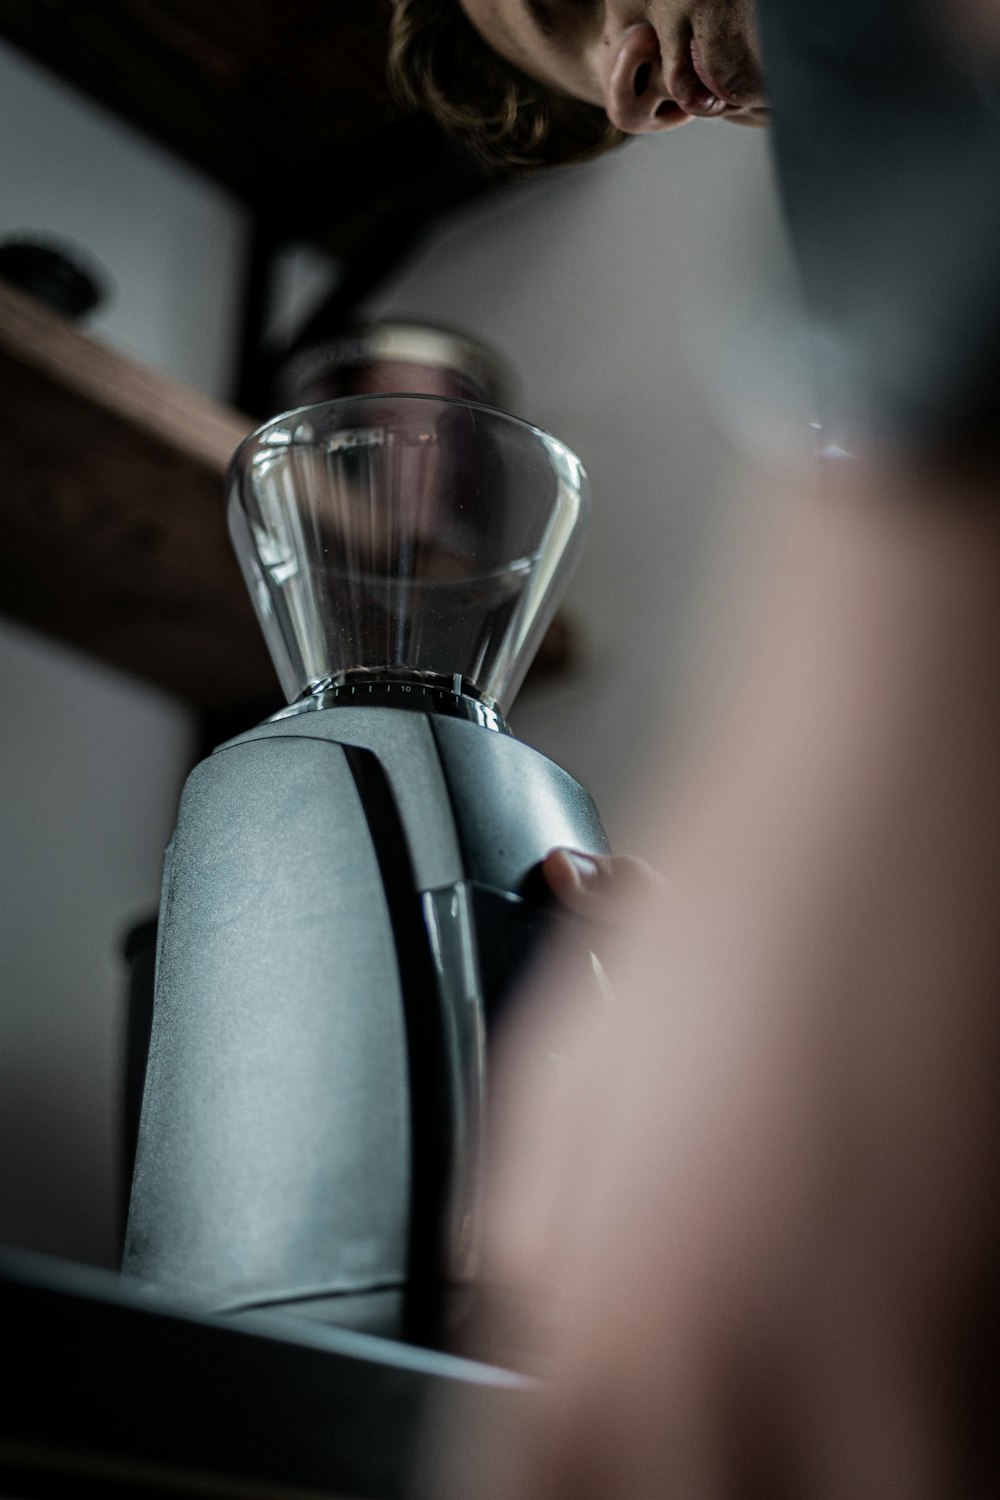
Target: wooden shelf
[113,522]
[112,512]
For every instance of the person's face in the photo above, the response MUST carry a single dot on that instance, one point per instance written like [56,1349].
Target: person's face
[650,64]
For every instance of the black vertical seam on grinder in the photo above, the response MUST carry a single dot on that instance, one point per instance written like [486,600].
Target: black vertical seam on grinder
[430,1114]
[458,823]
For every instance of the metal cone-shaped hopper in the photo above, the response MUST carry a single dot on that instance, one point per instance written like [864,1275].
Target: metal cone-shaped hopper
[407,537]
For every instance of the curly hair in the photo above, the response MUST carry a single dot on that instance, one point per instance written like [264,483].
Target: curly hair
[439,63]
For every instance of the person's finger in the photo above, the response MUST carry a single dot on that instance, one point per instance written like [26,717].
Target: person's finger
[599,887]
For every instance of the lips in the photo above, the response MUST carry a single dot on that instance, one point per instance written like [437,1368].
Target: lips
[696,81]
[734,77]
[693,89]
[708,78]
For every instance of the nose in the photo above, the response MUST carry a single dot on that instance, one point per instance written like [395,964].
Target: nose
[635,97]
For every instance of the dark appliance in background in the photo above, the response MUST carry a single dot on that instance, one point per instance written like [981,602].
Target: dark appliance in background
[396,356]
[350,892]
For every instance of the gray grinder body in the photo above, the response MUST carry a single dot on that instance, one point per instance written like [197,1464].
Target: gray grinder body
[347,903]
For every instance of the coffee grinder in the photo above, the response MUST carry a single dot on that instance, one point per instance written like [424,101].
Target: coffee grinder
[352,890]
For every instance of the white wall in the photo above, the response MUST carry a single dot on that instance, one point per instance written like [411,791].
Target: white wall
[90,760]
[642,298]
[171,242]
[90,765]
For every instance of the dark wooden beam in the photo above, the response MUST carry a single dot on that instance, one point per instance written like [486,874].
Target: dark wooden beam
[254,94]
[112,513]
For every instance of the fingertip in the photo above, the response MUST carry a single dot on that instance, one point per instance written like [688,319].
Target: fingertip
[573,877]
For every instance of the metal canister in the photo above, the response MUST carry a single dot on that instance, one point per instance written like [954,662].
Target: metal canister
[397,357]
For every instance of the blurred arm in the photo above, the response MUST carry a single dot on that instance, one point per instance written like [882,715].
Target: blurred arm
[765,1198]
